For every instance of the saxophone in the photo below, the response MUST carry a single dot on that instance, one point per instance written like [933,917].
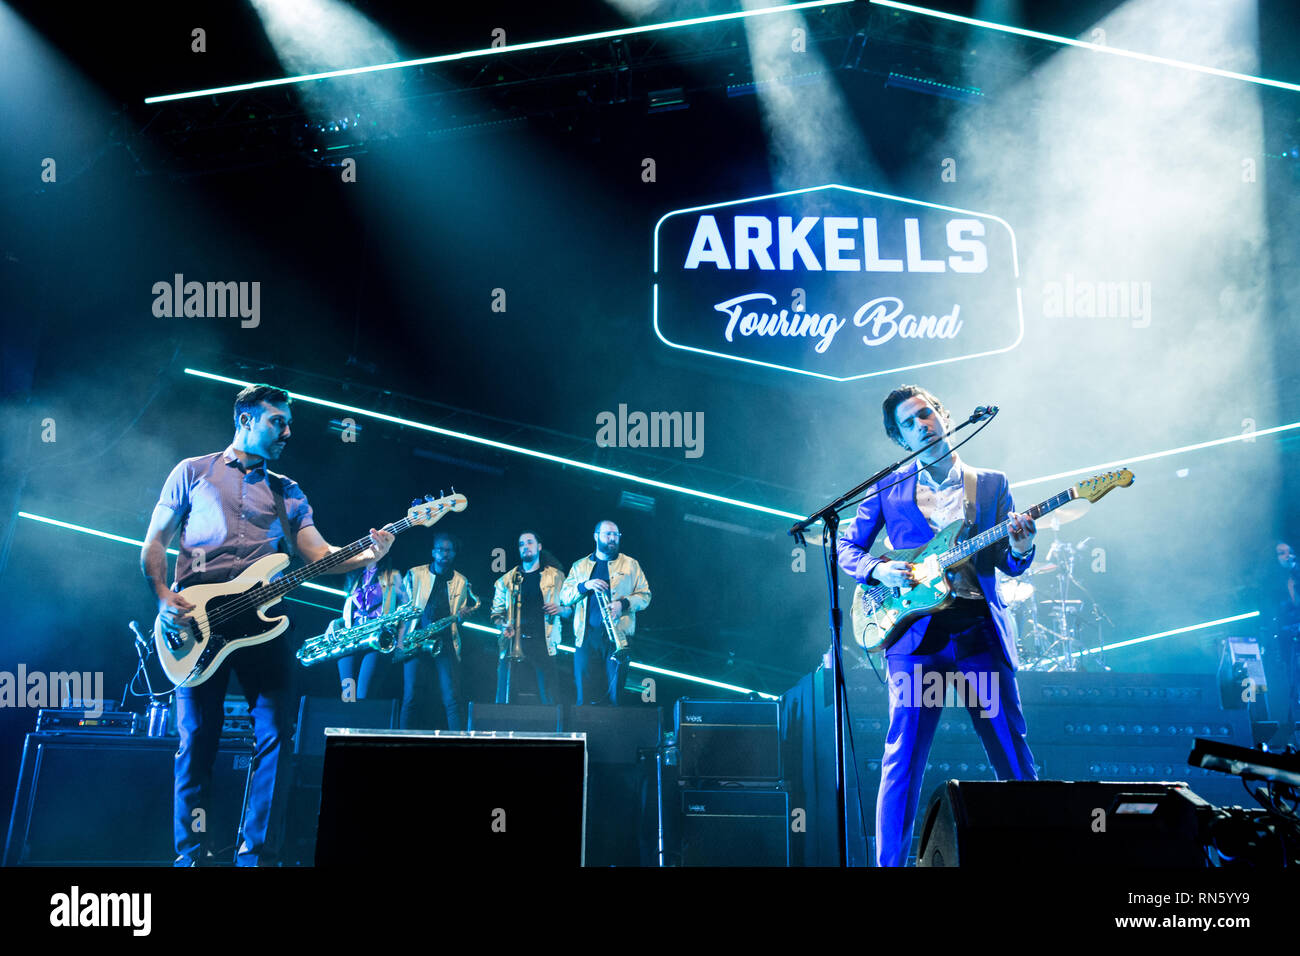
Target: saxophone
[417,641]
[377,635]
[427,637]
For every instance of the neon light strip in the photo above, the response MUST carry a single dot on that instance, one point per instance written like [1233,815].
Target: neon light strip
[701,680]
[1155,637]
[495,51]
[514,449]
[323,607]
[652,669]
[1084,45]
[478,627]
[1104,466]
[140,544]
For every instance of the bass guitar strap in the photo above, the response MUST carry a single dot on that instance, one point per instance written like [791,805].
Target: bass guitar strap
[276,484]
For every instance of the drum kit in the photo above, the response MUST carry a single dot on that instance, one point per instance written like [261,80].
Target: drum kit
[1055,617]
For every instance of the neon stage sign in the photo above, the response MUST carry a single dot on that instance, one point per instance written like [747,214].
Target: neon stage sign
[836,282]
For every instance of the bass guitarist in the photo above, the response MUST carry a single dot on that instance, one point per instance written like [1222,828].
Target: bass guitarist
[973,638]
[232,510]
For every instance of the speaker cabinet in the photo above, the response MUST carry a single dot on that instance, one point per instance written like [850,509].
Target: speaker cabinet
[616,735]
[314,715]
[317,713]
[735,828]
[1056,822]
[103,800]
[451,800]
[531,718]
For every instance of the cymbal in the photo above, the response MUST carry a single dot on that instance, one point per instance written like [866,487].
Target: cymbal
[1070,511]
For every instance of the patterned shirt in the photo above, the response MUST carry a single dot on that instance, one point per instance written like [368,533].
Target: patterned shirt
[228,516]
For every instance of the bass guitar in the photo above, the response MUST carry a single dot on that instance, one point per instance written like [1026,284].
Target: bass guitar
[881,614]
[232,615]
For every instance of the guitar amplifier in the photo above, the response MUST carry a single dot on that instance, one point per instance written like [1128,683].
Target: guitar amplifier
[734,740]
[735,828]
[104,800]
[51,720]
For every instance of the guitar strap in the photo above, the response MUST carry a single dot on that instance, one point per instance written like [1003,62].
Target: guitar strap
[277,492]
[969,481]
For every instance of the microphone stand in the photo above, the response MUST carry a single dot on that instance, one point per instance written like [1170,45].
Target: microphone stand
[829,516]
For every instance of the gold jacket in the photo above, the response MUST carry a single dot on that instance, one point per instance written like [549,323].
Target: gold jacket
[503,605]
[627,583]
[460,596]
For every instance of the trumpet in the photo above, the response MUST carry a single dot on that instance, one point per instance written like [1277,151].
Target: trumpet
[611,627]
[513,648]
[377,635]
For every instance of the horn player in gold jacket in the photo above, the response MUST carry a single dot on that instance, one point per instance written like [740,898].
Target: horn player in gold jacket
[600,662]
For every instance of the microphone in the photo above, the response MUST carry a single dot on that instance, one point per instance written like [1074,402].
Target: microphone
[139,638]
[983,412]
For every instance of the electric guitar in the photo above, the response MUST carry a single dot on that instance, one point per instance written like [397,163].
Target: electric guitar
[229,616]
[881,614]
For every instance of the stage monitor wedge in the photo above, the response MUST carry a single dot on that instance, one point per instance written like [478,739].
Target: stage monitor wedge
[1061,823]
[452,800]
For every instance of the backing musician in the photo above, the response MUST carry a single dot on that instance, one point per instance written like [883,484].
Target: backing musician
[231,510]
[600,661]
[974,637]
[372,593]
[440,592]
[524,606]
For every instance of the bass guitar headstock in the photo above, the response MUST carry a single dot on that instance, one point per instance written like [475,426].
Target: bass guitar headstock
[429,511]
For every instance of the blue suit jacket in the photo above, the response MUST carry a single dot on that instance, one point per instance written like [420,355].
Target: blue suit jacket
[895,509]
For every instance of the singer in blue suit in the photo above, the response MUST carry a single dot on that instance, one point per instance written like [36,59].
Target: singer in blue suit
[973,639]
